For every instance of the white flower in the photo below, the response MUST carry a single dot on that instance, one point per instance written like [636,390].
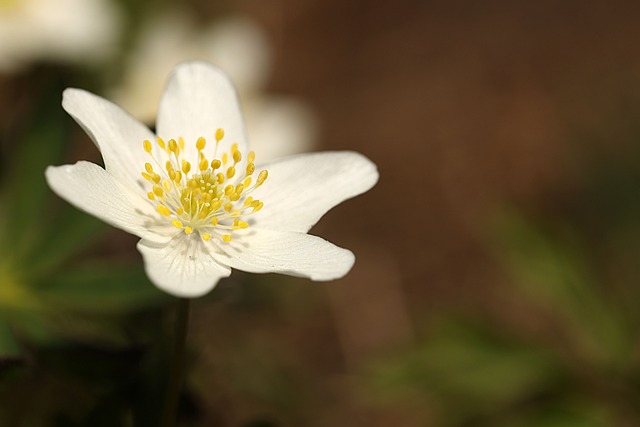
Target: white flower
[240,48]
[59,30]
[194,194]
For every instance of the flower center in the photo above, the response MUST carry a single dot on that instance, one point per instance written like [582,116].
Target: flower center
[213,199]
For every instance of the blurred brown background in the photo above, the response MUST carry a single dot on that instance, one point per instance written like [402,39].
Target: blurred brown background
[467,108]
[476,113]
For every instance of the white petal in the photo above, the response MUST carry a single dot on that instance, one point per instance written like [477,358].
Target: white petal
[92,189]
[300,189]
[183,267]
[198,100]
[119,136]
[295,254]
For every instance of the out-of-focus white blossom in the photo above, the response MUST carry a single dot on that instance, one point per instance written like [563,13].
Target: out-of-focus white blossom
[277,125]
[84,31]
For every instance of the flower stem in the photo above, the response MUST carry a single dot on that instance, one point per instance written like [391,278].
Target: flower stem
[177,363]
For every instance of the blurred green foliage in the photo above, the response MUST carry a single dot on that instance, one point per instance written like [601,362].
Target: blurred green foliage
[66,341]
[577,267]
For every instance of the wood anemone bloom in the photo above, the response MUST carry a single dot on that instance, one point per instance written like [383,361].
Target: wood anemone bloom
[194,193]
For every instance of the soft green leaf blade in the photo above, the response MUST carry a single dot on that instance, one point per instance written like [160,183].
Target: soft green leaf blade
[464,363]
[41,144]
[102,287]
[554,272]
[9,346]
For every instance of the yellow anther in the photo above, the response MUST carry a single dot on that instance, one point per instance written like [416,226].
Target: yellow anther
[201,143]
[173,146]
[186,167]
[204,196]
[237,156]
[262,177]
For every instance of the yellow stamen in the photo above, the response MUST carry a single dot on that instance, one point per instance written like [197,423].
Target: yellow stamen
[207,199]
[201,143]
[186,167]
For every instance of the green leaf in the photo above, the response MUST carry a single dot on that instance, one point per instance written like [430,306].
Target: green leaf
[9,346]
[101,288]
[68,233]
[41,145]
[464,363]
[554,272]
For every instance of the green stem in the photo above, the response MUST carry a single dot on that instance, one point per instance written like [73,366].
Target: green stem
[177,363]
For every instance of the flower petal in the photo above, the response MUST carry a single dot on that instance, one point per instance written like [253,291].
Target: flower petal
[292,253]
[183,267]
[92,189]
[300,189]
[119,136]
[198,100]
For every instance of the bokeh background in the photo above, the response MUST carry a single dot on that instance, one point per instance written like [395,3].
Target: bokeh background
[497,270]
